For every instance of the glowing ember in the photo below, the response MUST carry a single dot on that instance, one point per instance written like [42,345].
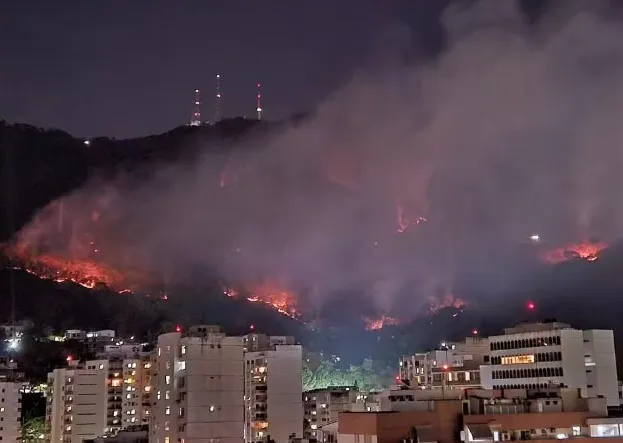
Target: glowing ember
[380,323]
[404,222]
[588,251]
[279,299]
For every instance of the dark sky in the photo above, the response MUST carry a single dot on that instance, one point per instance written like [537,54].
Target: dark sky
[127,68]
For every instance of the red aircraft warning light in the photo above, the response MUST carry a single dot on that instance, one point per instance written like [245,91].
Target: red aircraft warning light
[178,328]
[531,306]
[252,327]
[475,331]
[69,358]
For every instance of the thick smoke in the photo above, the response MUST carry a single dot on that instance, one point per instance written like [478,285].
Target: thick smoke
[513,129]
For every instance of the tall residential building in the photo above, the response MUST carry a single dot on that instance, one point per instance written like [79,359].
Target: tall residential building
[96,397]
[210,387]
[273,388]
[451,366]
[11,382]
[540,355]
[198,384]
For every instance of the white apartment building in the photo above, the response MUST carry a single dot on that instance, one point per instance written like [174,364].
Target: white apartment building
[273,388]
[541,355]
[96,397]
[10,409]
[454,365]
[198,387]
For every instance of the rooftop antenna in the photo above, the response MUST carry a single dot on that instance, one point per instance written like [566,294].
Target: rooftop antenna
[217,104]
[259,102]
[196,118]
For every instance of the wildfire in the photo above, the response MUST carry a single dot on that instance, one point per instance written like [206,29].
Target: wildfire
[449,301]
[588,251]
[380,323]
[86,273]
[279,299]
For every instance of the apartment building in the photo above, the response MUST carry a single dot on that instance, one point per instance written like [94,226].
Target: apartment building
[541,355]
[454,365]
[273,388]
[481,415]
[322,407]
[10,408]
[198,387]
[89,399]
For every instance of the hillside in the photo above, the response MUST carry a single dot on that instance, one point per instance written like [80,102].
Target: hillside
[39,166]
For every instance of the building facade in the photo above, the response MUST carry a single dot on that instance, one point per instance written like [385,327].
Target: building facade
[273,388]
[89,399]
[198,387]
[451,366]
[10,409]
[541,355]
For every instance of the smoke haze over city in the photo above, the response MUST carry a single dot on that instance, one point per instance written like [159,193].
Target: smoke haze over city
[403,178]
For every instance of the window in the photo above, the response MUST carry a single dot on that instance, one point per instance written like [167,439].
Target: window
[101,366]
[518,359]
[167,395]
[167,410]
[183,349]
[576,430]
[167,379]
[168,364]
[168,350]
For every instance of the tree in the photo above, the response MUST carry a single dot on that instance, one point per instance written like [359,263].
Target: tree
[33,430]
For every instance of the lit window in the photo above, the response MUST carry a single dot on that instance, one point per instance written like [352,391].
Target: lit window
[576,430]
[183,349]
[101,366]
[518,359]
[167,379]
[167,410]
[167,395]
[167,440]
[159,352]
[158,395]
[211,408]
[128,396]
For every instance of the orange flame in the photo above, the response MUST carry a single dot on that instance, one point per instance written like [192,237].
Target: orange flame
[86,273]
[588,251]
[379,323]
[270,294]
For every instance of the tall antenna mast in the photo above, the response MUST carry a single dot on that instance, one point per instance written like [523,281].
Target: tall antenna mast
[196,118]
[217,104]
[259,102]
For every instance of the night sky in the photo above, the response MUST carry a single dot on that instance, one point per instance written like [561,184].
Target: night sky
[129,68]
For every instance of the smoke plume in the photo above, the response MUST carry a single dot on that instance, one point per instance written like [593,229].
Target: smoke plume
[513,129]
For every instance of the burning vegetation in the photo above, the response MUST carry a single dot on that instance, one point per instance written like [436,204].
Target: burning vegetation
[588,251]
[270,294]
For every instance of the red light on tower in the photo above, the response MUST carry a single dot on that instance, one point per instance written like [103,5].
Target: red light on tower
[69,358]
[531,306]
[178,328]
[475,331]
[252,327]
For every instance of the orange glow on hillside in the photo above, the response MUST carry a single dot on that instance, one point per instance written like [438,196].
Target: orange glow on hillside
[270,294]
[379,323]
[588,251]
